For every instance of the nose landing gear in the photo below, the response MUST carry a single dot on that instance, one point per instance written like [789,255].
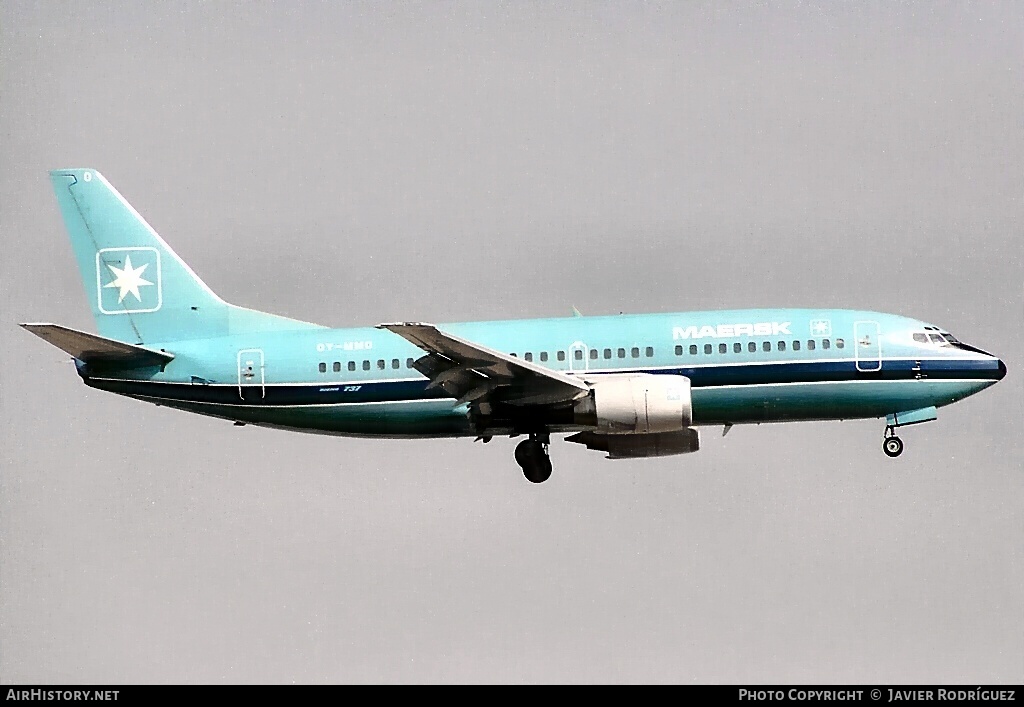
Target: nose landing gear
[532,456]
[891,444]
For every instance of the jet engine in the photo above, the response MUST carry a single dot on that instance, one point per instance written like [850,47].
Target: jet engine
[658,444]
[636,404]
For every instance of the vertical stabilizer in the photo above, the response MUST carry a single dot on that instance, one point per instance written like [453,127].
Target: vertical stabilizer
[139,289]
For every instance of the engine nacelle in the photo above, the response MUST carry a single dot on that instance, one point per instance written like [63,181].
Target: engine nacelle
[658,444]
[636,403]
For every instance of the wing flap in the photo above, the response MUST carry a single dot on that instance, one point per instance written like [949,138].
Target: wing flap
[94,349]
[469,371]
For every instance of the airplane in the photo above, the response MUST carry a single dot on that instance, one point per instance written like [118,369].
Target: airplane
[631,386]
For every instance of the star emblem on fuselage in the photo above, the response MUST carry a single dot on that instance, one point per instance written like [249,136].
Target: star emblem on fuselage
[128,279]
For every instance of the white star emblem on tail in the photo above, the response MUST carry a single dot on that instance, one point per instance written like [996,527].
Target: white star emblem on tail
[128,280]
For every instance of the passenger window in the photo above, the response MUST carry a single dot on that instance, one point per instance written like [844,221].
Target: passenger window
[796,345]
[649,351]
[514,355]
[707,349]
[634,352]
[323,367]
[380,364]
[621,353]
[840,343]
[366,365]
[408,363]
[593,354]
[337,366]
[396,364]
[543,356]
[810,344]
[607,353]
[528,356]
[752,347]
[737,347]
[693,349]
[782,346]
[766,346]
[920,338]
[561,355]
[578,354]
[826,344]
[351,365]
[679,350]
[722,348]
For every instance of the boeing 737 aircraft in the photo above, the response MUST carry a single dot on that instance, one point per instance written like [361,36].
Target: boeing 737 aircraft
[630,386]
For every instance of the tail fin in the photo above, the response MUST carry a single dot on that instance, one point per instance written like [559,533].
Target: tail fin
[139,289]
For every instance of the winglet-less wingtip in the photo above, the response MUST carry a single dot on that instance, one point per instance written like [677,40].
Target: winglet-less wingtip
[388,325]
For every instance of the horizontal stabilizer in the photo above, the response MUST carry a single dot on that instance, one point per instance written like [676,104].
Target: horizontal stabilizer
[98,350]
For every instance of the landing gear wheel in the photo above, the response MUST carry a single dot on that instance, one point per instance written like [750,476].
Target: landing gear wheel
[892,446]
[538,473]
[532,456]
[526,451]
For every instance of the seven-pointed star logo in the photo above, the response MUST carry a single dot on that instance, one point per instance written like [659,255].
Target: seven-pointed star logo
[128,279]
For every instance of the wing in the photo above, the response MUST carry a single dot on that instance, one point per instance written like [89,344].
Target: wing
[471,372]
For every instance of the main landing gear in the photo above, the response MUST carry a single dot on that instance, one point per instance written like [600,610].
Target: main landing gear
[532,455]
[891,444]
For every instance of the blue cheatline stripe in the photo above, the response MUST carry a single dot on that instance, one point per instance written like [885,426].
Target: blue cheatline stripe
[738,375]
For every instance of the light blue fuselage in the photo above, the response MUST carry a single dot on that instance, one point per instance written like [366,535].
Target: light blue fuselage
[745,366]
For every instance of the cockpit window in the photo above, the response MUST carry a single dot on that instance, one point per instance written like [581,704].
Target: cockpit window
[955,343]
[932,336]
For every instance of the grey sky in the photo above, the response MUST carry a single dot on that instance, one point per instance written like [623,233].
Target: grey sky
[356,163]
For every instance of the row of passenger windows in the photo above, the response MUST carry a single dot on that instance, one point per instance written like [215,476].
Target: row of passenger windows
[648,352]
[634,352]
[577,354]
[765,346]
[382,364]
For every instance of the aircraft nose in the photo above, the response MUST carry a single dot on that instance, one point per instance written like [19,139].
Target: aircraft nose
[1002,370]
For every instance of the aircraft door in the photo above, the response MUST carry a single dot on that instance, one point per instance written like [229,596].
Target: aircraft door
[251,386]
[578,357]
[868,346]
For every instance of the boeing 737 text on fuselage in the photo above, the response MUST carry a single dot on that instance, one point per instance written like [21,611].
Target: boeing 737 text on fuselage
[630,386]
